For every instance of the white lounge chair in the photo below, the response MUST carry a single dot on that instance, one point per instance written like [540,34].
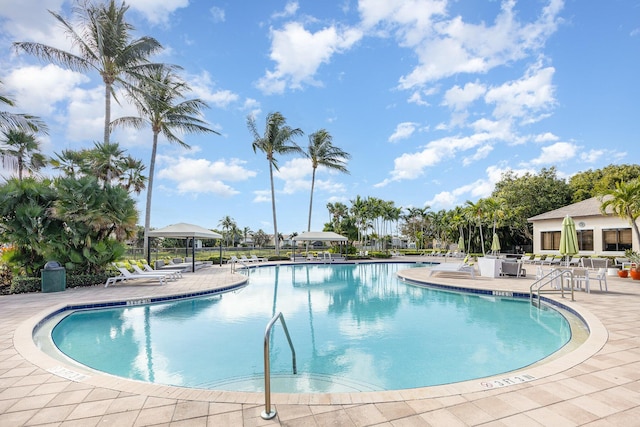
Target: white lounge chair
[148,269]
[171,274]
[254,258]
[127,275]
[454,268]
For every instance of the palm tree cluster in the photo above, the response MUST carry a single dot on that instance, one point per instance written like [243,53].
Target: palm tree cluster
[278,139]
[102,42]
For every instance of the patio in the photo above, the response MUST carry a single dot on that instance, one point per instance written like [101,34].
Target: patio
[599,384]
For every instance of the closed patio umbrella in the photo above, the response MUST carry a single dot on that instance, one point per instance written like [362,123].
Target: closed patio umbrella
[461,243]
[568,237]
[495,244]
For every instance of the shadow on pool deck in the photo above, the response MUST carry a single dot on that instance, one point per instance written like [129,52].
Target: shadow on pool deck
[599,383]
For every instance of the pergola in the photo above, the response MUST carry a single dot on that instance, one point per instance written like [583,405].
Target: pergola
[185,231]
[322,236]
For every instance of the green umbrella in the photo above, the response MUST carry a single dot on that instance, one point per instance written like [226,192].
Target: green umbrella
[461,243]
[495,244]
[568,237]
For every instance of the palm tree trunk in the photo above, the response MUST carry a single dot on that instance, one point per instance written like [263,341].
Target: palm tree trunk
[107,112]
[313,182]
[147,213]
[273,208]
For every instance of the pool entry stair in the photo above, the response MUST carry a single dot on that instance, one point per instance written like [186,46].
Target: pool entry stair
[268,413]
[551,283]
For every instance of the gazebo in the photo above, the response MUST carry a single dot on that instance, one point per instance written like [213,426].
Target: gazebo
[185,231]
[321,236]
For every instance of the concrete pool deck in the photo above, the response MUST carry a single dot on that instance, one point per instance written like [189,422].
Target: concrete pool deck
[597,384]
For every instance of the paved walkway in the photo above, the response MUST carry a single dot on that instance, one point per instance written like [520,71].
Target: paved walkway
[598,384]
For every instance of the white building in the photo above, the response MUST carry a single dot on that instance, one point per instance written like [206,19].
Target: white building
[598,234]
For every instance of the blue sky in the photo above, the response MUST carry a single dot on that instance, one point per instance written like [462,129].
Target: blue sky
[433,99]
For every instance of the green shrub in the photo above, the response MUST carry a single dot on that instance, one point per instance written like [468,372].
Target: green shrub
[23,284]
[77,280]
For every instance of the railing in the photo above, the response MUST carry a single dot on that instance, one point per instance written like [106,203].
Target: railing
[267,414]
[554,275]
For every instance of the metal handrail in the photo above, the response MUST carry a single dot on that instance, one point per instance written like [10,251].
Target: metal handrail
[552,276]
[267,414]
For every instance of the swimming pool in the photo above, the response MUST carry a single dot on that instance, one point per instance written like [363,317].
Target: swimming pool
[355,327]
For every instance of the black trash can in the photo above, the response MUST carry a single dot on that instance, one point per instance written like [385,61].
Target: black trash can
[54,277]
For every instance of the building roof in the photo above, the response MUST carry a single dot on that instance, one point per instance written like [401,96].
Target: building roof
[589,207]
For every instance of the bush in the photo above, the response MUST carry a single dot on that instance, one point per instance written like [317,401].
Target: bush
[77,280]
[23,285]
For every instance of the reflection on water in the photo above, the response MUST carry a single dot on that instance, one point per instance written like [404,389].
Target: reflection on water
[354,327]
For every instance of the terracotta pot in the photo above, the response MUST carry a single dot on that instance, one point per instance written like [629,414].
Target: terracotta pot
[623,273]
[635,274]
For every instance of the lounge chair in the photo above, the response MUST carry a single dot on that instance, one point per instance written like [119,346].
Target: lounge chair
[148,269]
[127,275]
[450,267]
[254,258]
[171,274]
[512,268]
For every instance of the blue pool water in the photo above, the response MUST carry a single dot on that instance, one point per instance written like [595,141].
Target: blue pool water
[355,327]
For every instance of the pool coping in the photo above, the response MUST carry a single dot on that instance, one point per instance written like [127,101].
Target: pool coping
[24,344]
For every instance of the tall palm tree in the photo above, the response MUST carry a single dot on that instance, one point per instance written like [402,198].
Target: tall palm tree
[477,212]
[20,151]
[322,152]
[277,139]
[102,43]
[227,223]
[624,201]
[159,99]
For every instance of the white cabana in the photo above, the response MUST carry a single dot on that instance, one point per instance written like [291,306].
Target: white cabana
[324,236]
[186,231]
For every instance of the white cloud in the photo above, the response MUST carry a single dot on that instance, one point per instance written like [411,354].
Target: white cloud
[412,165]
[524,98]
[403,131]
[262,196]
[290,9]
[298,53]
[458,98]
[556,153]
[158,12]
[204,176]
[217,14]
[203,88]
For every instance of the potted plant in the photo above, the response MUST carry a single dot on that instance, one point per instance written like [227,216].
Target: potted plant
[634,257]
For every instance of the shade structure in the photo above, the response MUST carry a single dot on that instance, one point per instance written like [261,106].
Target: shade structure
[568,237]
[183,230]
[325,236]
[495,243]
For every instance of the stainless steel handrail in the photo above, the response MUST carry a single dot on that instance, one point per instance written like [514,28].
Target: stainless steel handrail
[552,276]
[267,414]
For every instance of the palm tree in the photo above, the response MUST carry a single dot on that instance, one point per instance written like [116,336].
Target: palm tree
[70,162]
[322,152]
[105,162]
[624,201]
[21,152]
[277,139]
[18,121]
[159,102]
[477,212]
[103,43]
[227,223]
[132,178]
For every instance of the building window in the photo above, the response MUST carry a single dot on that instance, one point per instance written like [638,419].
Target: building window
[550,240]
[616,239]
[585,240]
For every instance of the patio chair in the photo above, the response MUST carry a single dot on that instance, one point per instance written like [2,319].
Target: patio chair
[254,258]
[450,267]
[171,274]
[512,268]
[127,275]
[148,269]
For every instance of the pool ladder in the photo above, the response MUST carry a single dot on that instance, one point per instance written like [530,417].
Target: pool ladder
[554,276]
[268,413]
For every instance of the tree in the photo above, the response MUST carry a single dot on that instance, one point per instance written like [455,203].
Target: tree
[18,121]
[322,152]
[476,211]
[592,183]
[227,223]
[277,139]
[21,152]
[159,99]
[624,201]
[260,238]
[103,43]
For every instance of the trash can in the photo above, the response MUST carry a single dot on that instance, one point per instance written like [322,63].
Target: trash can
[54,278]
